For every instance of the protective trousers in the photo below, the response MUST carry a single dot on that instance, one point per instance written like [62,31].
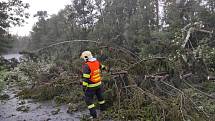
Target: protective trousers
[89,99]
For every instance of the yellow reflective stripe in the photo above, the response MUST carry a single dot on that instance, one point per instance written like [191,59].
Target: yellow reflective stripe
[91,106]
[101,102]
[94,85]
[97,75]
[84,83]
[86,75]
[96,79]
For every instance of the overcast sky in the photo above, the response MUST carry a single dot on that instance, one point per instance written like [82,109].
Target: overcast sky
[51,6]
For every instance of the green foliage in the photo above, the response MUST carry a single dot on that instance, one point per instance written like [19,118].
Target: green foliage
[45,92]
[1,85]
[6,41]
[3,74]
[209,87]
[11,13]
[142,42]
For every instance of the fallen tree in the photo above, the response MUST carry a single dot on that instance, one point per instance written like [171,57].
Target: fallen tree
[175,87]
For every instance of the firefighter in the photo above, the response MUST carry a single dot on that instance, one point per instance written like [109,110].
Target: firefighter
[91,82]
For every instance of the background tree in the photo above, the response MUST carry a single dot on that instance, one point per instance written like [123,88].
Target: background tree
[11,13]
[136,25]
[176,46]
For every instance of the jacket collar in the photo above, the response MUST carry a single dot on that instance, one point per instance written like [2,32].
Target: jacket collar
[92,59]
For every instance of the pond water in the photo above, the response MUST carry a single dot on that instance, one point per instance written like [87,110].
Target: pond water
[38,111]
[10,56]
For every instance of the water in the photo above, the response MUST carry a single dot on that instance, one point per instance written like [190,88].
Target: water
[39,111]
[10,56]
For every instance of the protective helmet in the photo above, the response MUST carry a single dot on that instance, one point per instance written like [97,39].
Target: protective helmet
[86,55]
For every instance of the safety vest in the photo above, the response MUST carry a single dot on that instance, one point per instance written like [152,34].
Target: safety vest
[95,74]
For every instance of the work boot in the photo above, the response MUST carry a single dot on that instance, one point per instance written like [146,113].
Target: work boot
[93,113]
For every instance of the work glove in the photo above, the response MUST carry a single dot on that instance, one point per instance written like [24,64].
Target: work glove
[106,68]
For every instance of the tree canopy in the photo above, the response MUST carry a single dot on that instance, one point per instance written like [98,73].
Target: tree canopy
[12,12]
[136,25]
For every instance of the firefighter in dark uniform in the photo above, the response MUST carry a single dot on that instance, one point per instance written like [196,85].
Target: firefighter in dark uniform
[92,82]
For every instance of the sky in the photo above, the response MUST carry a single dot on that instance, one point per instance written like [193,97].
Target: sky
[51,6]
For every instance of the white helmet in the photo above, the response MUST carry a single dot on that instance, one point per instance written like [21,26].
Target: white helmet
[86,55]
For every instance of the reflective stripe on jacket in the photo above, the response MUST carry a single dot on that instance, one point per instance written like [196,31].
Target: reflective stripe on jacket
[95,72]
[92,75]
